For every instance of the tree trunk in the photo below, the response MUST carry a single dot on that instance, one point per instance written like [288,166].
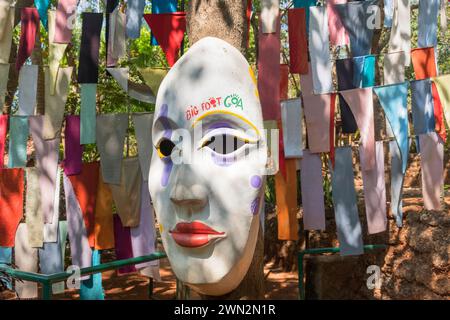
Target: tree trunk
[227,20]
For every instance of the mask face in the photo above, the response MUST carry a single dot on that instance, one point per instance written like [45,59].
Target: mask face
[207,171]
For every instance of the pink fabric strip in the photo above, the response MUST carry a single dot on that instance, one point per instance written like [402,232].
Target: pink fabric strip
[47,152]
[65,20]
[317,115]
[338,34]
[3,131]
[375,191]
[312,191]
[361,104]
[432,162]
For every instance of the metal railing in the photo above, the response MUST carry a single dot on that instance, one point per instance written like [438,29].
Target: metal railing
[301,256]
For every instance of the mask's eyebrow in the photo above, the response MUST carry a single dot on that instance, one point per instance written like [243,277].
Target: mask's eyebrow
[211,115]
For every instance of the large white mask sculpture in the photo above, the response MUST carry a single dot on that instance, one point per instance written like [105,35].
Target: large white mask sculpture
[207,171]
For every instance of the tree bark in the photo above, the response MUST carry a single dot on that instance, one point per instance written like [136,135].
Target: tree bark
[227,20]
[224,19]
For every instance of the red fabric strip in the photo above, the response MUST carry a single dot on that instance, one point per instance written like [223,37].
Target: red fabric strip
[298,45]
[85,188]
[168,29]
[11,204]
[28,27]
[284,81]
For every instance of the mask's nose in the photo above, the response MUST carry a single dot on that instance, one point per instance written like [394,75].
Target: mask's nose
[187,191]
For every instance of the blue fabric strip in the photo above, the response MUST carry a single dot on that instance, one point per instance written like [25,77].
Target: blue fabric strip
[428,18]
[345,206]
[18,137]
[364,71]
[92,289]
[88,113]
[162,6]
[42,7]
[388,13]
[135,12]
[397,177]
[6,258]
[422,107]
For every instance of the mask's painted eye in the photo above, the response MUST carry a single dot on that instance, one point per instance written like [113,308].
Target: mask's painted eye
[165,148]
[225,143]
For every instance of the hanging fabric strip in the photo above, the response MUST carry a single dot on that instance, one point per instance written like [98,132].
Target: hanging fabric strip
[5,261]
[338,34]
[168,29]
[28,31]
[291,116]
[55,51]
[143,237]
[375,191]
[344,72]
[269,74]
[18,137]
[110,6]
[51,259]
[432,165]
[153,77]
[26,259]
[33,212]
[11,204]
[58,287]
[89,48]
[127,195]
[388,13]
[73,150]
[345,206]
[42,7]
[47,153]
[305,4]
[364,71]
[313,201]
[356,17]
[92,289]
[28,79]
[286,196]
[135,10]
[319,50]
[117,37]
[111,132]
[88,113]
[270,9]
[66,12]
[4,76]
[400,39]
[6,31]
[428,16]
[51,229]
[397,178]
[394,67]
[424,63]
[272,136]
[284,82]
[79,243]
[443,87]
[317,116]
[3,132]
[281,158]
[104,226]
[393,99]
[85,187]
[422,107]
[443,16]
[298,45]
[121,77]
[143,129]
[163,6]
[124,249]
[55,104]
[438,113]
[361,105]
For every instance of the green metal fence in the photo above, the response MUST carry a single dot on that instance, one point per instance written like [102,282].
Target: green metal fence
[301,256]
[47,280]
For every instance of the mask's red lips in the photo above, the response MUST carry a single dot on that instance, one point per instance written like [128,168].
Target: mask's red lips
[194,234]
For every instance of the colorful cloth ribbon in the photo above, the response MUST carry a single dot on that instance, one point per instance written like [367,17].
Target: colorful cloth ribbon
[298,43]
[104,225]
[422,107]
[18,137]
[55,51]
[7,13]
[26,259]
[28,80]
[88,113]
[29,24]
[73,149]
[65,20]
[143,129]
[89,48]
[124,248]
[34,215]
[291,117]
[270,9]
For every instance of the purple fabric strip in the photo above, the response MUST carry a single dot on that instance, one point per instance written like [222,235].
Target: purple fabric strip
[432,162]
[375,191]
[123,248]
[47,153]
[143,236]
[312,191]
[73,149]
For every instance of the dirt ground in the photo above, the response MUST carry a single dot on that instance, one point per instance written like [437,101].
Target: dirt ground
[279,285]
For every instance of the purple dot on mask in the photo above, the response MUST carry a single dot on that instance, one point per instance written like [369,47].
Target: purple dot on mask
[256,182]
